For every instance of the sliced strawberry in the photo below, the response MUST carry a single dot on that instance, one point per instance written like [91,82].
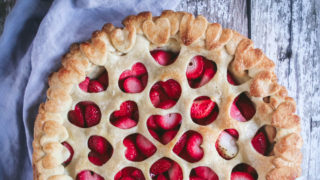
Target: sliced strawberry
[98,159]
[241,176]
[98,144]
[233,133]
[151,123]
[70,149]
[127,108]
[129,172]
[168,136]
[161,177]
[125,74]
[204,172]
[195,67]
[103,79]
[76,117]
[164,58]
[137,174]
[175,172]
[236,114]
[154,134]
[208,73]
[168,121]
[138,69]
[132,85]
[84,84]
[259,142]
[245,105]
[95,86]
[88,175]
[144,80]
[145,146]
[131,152]
[127,178]
[92,115]
[167,104]
[202,107]
[231,79]
[124,123]
[171,88]
[180,144]
[155,96]
[195,178]
[160,166]
[226,145]
[193,146]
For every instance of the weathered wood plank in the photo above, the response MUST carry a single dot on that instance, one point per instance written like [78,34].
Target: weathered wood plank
[5,8]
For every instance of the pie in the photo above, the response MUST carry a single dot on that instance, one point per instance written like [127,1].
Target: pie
[168,97]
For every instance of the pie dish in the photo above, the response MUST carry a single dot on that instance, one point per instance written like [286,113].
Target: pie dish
[166,97]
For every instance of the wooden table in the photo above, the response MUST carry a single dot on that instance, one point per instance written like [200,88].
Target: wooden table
[288,32]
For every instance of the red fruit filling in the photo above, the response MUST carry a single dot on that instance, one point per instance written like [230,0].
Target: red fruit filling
[164,128]
[129,173]
[204,111]
[188,147]
[164,95]
[95,85]
[101,150]
[244,172]
[88,175]
[166,169]
[127,117]
[226,144]
[203,173]
[138,147]
[263,140]
[134,80]
[70,149]
[85,114]
[242,108]
[163,57]
[200,71]
[231,79]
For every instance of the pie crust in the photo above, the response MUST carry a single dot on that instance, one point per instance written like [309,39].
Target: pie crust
[117,49]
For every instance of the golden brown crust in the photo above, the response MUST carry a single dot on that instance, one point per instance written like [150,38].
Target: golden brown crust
[250,65]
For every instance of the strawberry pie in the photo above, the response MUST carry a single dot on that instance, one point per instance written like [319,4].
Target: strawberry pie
[171,97]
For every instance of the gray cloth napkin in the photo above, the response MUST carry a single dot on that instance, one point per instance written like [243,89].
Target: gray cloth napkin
[24,69]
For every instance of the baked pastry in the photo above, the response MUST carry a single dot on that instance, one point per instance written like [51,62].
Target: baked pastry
[168,97]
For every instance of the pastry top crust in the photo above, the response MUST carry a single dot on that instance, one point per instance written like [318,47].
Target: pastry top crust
[194,36]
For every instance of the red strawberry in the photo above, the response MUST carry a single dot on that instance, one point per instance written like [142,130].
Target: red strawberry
[95,86]
[76,117]
[84,84]
[171,88]
[138,69]
[233,133]
[195,67]
[259,142]
[127,178]
[125,74]
[131,152]
[226,145]
[202,107]
[98,144]
[160,166]
[154,134]
[245,105]
[168,121]
[92,115]
[104,80]
[136,173]
[70,149]
[204,172]
[168,136]
[180,144]
[164,58]
[241,176]
[144,80]
[98,159]
[151,123]
[195,178]
[208,73]
[88,175]
[166,104]
[193,146]
[129,172]
[231,79]
[145,146]
[161,177]
[236,114]
[175,172]
[127,108]
[132,85]
[155,97]
[124,123]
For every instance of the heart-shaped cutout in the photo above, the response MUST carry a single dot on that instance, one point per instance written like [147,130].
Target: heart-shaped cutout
[263,140]
[226,144]
[203,172]
[85,114]
[123,39]
[134,80]
[138,147]
[129,173]
[164,127]
[242,108]
[191,29]
[158,32]
[165,95]
[244,171]
[127,117]
[88,175]
[95,85]
[101,150]
[204,111]
[200,71]
[163,57]
[71,151]
[189,146]
[166,168]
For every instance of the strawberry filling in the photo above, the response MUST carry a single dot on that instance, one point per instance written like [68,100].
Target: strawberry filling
[165,94]
[164,128]
[203,173]
[70,149]
[242,108]
[189,147]
[85,114]
[166,169]
[127,117]
[138,147]
[244,172]
[200,71]
[231,79]
[204,111]
[101,150]
[134,80]
[129,173]
[88,175]
[95,85]
[263,140]
[226,144]
[163,57]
